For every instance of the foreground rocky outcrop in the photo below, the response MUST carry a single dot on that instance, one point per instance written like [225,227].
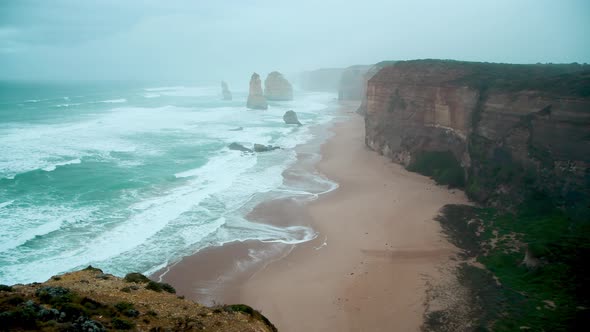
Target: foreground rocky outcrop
[256,99]
[290,117]
[225,91]
[89,300]
[277,88]
[505,132]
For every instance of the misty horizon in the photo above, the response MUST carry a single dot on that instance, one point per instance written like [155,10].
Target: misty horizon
[186,41]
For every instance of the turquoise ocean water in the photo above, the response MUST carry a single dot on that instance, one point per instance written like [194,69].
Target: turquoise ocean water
[131,177]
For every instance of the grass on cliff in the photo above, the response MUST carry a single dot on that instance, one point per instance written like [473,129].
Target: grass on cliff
[442,166]
[559,79]
[554,296]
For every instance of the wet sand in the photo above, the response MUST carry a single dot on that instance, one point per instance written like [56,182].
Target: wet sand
[367,270]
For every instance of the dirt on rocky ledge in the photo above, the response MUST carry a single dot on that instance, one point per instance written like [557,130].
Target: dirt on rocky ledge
[89,300]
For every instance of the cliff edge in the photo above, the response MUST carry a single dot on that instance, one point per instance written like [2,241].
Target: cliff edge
[89,300]
[510,130]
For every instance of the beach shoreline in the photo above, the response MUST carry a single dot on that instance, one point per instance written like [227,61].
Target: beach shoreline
[377,246]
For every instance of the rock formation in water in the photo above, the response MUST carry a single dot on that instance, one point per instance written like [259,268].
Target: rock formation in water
[89,300]
[256,99]
[276,87]
[352,83]
[264,148]
[290,117]
[225,91]
[510,130]
[238,147]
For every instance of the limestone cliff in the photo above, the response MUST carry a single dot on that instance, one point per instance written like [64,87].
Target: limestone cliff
[225,91]
[89,300]
[276,87]
[362,110]
[352,83]
[256,99]
[513,129]
[325,79]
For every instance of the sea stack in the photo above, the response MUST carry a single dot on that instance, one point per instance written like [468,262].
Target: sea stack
[290,117]
[225,91]
[256,99]
[276,87]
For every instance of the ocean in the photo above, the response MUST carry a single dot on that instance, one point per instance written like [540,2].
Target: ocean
[132,177]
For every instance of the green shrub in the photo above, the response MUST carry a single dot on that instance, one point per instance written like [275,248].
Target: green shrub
[442,166]
[155,286]
[168,288]
[91,268]
[250,311]
[122,324]
[54,295]
[123,306]
[5,288]
[160,286]
[137,278]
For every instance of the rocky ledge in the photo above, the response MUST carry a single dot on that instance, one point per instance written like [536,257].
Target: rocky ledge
[89,300]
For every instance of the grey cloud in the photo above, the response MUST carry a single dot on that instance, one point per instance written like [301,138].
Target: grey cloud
[207,41]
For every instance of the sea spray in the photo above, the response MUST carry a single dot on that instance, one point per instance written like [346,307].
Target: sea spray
[135,178]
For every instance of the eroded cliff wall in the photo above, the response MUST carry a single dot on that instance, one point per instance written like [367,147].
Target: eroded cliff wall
[352,83]
[324,80]
[515,130]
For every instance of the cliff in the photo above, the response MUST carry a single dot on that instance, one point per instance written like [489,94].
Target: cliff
[505,132]
[276,87]
[362,110]
[324,80]
[89,300]
[256,99]
[517,138]
[352,83]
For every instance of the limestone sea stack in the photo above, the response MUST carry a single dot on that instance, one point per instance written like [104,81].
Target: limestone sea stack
[225,91]
[256,99]
[276,87]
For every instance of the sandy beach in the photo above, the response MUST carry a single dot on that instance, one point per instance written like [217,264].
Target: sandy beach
[367,270]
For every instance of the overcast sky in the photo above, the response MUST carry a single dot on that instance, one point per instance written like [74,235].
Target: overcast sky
[212,40]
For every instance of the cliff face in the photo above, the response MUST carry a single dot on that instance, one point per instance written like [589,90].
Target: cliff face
[362,110]
[325,79]
[513,129]
[276,87]
[256,99]
[352,83]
